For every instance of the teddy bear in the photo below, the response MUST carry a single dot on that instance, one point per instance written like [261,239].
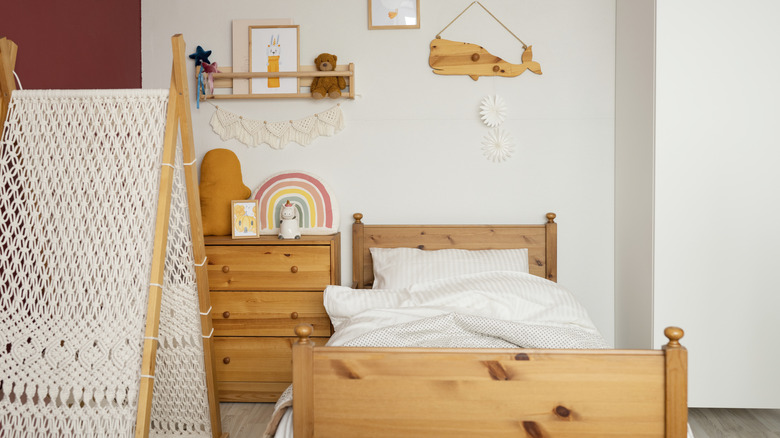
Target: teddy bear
[329,85]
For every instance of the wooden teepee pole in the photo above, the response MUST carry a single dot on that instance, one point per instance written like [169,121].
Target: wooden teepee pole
[178,115]
[8,51]
[196,226]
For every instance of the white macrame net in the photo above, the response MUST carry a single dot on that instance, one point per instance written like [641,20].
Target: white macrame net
[79,180]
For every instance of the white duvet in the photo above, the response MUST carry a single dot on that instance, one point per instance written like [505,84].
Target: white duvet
[486,310]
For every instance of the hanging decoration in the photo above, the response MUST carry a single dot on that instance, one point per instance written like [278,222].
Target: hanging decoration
[303,131]
[458,58]
[493,110]
[497,145]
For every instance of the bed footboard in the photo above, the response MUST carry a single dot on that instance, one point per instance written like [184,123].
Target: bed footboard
[415,392]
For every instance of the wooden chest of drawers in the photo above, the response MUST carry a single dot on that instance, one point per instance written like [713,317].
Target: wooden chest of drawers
[260,290]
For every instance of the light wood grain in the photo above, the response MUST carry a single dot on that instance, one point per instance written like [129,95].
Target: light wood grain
[458,58]
[299,267]
[8,50]
[267,313]
[540,240]
[261,289]
[305,73]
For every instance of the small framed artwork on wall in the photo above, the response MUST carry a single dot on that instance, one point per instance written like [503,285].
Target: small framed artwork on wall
[244,214]
[393,14]
[273,49]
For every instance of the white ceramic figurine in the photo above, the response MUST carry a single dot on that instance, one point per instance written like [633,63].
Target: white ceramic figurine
[288,224]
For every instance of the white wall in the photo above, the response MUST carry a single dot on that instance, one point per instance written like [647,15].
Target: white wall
[411,150]
[717,243]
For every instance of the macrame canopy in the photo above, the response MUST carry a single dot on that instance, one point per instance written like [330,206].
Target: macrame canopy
[106,328]
[456,58]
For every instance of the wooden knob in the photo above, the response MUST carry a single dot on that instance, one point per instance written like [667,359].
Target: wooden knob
[550,218]
[358,217]
[226,269]
[294,269]
[475,57]
[674,334]
[226,314]
[496,68]
[226,360]
[294,315]
[303,331]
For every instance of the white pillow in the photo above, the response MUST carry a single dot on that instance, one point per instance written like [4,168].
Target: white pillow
[402,267]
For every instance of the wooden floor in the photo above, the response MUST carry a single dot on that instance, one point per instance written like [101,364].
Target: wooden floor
[244,420]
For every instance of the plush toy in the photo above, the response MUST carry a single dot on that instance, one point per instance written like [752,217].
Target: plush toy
[328,85]
[210,69]
[288,222]
[220,183]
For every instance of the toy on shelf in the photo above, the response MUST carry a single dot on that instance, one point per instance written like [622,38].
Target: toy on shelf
[210,69]
[330,86]
[288,222]
[306,73]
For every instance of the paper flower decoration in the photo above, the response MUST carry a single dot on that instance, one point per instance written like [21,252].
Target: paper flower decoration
[493,110]
[497,145]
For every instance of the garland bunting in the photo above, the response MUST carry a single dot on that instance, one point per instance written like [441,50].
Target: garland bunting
[277,134]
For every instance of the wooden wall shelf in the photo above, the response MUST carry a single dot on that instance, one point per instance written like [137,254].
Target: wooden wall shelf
[225,80]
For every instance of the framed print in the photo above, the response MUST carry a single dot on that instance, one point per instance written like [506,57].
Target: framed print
[273,49]
[241,47]
[393,14]
[244,219]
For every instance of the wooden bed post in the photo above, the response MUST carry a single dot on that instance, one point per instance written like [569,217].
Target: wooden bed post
[551,247]
[676,384]
[358,281]
[303,394]
[8,51]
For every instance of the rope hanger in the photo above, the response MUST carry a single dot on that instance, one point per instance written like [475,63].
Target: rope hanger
[438,35]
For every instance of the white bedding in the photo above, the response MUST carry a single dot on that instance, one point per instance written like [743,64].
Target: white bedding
[486,310]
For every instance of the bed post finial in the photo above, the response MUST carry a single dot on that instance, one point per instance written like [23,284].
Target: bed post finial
[550,218]
[358,217]
[674,334]
[303,331]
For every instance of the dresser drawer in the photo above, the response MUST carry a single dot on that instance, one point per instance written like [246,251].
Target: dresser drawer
[267,313]
[255,359]
[269,267]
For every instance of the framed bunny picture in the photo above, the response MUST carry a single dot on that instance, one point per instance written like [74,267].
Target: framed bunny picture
[274,49]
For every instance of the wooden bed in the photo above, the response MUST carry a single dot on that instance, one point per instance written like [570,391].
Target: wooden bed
[416,392]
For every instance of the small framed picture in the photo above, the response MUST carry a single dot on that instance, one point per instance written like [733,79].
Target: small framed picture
[273,49]
[393,14]
[244,214]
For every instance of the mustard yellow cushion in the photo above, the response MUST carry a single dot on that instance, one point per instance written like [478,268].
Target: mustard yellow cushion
[220,183]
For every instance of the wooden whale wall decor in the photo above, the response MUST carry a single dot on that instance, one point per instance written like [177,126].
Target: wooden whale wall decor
[457,58]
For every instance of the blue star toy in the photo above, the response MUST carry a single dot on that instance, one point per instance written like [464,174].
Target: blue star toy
[201,55]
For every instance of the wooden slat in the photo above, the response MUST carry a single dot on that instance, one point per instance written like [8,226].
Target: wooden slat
[303,388]
[487,393]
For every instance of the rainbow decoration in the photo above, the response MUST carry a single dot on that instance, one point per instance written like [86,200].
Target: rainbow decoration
[317,209]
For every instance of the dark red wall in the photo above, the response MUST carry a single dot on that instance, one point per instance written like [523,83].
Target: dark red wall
[75,43]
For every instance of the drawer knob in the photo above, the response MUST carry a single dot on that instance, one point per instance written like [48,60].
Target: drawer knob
[226,360]
[294,315]
[226,269]
[226,314]
[294,269]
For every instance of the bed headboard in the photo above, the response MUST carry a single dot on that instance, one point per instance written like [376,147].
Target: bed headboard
[541,241]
